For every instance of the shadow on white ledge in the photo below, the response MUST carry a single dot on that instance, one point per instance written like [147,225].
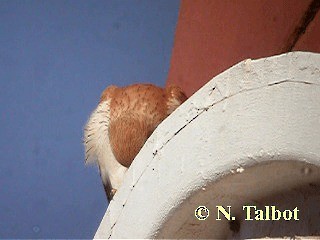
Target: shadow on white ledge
[249,137]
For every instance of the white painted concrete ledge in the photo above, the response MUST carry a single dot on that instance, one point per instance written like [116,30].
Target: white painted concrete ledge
[250,136]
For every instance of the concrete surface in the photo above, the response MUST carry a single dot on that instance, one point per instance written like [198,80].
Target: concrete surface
[250,136]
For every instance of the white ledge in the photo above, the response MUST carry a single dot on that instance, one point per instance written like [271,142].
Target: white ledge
[249,136]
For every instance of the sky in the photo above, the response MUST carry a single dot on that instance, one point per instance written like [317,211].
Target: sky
[56,57]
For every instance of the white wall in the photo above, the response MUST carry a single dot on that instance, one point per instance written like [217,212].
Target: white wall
[249,136]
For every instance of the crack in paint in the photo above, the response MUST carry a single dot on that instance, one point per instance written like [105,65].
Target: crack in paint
[206,108]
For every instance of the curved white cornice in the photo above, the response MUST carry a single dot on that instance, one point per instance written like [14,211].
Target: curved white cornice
[249,136]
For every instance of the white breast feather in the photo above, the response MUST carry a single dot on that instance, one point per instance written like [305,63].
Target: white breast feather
[97,146]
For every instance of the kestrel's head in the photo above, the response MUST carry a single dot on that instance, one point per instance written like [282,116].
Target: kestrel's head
[108,93]
[122,122]
[134,112]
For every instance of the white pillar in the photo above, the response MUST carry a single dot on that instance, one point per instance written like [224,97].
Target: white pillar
[250,136]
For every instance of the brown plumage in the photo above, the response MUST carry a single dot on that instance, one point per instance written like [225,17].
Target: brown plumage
[121,124]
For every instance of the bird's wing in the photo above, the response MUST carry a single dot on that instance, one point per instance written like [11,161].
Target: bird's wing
[106,184]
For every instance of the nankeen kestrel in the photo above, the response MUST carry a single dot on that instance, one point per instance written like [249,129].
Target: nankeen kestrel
[120,125]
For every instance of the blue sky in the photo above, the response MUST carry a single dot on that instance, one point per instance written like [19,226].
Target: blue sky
[56,57]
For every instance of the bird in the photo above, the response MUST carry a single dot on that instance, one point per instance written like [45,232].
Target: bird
[119,126]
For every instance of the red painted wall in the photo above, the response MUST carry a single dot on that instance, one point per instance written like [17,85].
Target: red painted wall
[213,35]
